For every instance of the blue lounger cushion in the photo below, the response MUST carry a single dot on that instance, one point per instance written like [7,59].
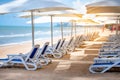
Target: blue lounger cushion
[6,59]
[104,64]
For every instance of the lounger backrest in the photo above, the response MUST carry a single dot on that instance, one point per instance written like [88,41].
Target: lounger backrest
[63,41]
[76,40]
[58,43]
[44,48]
[85,38]
[70,41]
[81,38]
[33,52]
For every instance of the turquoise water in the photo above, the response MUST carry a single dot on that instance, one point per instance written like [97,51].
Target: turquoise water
[19,34]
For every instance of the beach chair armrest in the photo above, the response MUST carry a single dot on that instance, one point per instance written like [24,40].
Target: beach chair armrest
[33,60]
[17,57]
[13,55]
[106,60]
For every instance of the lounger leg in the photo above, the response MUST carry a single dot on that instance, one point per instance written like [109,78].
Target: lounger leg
[57,55]
[30,64]
[43,60]
[27,64]
[94,69]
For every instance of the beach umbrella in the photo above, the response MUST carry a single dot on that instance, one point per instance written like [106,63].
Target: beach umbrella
[59,16]
[107,14]
[73,26]
[62,13]
[87,22]
[105,6]
[109,18]
[32,6]
[46,19]
[61,19]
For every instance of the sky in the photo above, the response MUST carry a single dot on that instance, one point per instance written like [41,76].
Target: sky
[13,19]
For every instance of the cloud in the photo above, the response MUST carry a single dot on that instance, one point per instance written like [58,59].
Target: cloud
[5,8]
[79,5]
[91,1]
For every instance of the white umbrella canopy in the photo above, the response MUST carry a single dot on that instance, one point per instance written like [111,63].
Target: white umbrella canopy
[46,19]
[105,6]
[32,6]
[107,14]
[87,21]
[108,17]
[65,13]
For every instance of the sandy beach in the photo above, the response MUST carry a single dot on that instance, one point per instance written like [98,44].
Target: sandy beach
[73,66]
[85,25]
[21,48]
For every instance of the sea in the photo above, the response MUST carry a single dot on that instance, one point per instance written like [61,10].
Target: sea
[19,34]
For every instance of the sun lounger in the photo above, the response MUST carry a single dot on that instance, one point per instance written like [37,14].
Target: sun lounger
[78,41]
[55,51]
[109,53]
[85,37]
[113,38]
[69,45]
[42,58]
[101,65]
[61,47]
[94,35]
[114,45]
[110,48]
[29,61]
[74,43]
[56,45]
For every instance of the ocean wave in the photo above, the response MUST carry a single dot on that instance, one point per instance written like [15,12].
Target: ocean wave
[28,34]
[15,35]
[42,32]
[13,43]
[24,41]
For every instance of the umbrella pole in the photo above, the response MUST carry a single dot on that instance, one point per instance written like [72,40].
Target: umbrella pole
[32,23]
[72,29]
[75,29]
[51,30]
[62,30]
[117,27]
